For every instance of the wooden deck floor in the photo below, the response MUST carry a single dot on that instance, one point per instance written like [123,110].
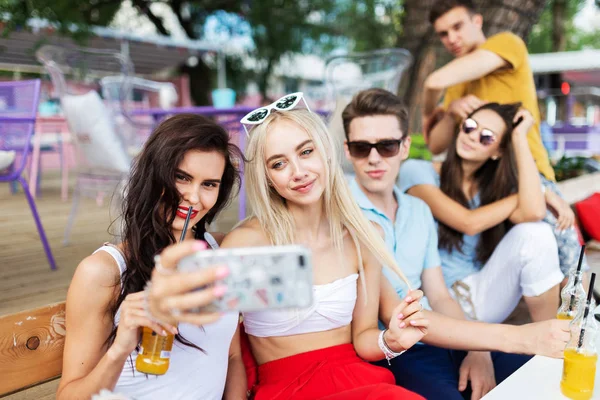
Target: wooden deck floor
[26,280]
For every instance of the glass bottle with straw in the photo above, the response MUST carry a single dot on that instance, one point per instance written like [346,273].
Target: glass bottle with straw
[573,294]
[579,367]
[155,350]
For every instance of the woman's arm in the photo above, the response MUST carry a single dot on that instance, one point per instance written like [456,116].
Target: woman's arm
[236,384]
[365,330]
[531,202]
[463,219]
[546,338]
[88,365]
[364,327]
[439,136]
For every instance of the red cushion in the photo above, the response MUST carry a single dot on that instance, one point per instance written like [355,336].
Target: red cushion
[588,211]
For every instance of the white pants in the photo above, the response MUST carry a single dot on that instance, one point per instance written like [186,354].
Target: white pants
[525,263]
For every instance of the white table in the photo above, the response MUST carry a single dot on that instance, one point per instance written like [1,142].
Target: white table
[538,379]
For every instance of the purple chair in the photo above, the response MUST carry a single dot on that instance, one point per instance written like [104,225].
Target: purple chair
[18,107]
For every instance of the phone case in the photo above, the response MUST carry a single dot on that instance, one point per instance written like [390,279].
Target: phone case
[273,277]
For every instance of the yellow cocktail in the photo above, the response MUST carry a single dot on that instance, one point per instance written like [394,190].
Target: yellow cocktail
[155,353]
[579,371]
[566,316]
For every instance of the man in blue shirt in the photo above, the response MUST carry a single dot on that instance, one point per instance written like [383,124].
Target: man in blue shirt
[376,126]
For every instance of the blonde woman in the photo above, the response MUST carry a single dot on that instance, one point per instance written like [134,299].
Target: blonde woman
[299,195]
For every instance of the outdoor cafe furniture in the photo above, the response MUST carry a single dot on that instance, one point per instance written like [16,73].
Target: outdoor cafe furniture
[104,136]
[18,108]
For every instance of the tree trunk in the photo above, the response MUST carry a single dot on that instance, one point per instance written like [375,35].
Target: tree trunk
[263,79]
[517,16]
[201,82]
[559,37]
[418,40]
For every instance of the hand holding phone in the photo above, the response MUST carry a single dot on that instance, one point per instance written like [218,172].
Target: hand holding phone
[272,277]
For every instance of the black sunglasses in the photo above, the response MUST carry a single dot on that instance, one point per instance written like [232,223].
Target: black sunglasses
[385,148]
[486,136]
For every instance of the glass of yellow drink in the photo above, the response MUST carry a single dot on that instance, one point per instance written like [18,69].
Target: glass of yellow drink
[579,371]
[155,353]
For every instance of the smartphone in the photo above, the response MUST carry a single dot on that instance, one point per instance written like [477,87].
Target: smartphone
[272,277]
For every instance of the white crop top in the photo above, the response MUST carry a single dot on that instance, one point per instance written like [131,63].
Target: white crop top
[332,308]
[192,374]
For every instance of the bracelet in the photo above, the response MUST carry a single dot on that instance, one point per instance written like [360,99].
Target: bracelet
[387,352]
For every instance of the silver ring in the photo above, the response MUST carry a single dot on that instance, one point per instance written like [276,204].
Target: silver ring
[159,268]
[421,307]
[175,312]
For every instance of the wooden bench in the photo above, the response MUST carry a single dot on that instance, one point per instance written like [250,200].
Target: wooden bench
[31,351]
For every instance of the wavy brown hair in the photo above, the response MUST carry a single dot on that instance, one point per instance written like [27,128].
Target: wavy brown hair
[495,180]
[152,198]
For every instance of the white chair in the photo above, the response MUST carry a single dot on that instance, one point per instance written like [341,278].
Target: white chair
[346,75]
[141,93]
[101,150]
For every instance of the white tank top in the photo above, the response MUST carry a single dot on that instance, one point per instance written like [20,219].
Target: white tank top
[192,374]
[332,308]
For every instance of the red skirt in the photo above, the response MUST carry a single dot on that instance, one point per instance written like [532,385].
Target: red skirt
[331,373]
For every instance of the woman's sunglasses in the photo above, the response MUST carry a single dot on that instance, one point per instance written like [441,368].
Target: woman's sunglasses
[486,137]
[385,148]
[286,103]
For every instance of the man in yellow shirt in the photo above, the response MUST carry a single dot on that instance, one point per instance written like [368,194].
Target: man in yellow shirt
[494,69]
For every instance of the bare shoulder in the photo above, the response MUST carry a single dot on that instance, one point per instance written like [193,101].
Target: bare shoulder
[94,285]
[97,270]
[248,233]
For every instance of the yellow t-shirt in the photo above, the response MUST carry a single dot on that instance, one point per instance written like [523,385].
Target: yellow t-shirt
[509,85]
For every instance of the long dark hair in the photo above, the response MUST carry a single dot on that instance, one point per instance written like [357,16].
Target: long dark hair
[152,198]
[495,180]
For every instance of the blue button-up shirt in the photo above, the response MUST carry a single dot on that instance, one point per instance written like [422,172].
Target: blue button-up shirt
[412,237]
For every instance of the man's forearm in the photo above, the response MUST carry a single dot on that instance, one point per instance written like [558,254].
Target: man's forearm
[452,333]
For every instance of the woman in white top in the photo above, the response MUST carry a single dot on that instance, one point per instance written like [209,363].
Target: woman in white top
[186,162]
[298,194]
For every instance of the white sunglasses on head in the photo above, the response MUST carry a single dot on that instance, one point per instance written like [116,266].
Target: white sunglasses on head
[286,103]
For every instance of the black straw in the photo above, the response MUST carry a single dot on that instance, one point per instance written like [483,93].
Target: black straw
[577,276]
[187,221]
[586,312]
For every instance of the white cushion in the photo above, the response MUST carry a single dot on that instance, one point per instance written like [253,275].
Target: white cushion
[167,96]
[6,159]
[93,131]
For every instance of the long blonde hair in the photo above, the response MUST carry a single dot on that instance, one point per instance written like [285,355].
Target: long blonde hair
[343,212]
